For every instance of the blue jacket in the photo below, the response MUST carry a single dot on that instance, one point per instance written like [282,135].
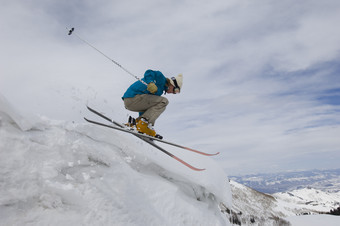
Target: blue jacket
[138,87]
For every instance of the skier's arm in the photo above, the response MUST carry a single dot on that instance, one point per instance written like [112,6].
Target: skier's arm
[150,79]
[150,76]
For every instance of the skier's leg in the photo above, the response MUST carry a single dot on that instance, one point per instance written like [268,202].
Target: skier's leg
[152,106]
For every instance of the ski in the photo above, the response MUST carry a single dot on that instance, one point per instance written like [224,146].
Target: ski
[146,139]
[149,137]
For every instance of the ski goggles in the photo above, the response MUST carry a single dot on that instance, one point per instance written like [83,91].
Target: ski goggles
[177,89]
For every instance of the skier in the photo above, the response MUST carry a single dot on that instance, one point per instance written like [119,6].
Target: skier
[147,99]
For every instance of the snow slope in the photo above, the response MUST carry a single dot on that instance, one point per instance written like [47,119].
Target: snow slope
[59,173]
[251,207]
[308,200]
[314,220]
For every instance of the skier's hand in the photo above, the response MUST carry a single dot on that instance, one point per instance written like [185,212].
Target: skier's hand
[152,88]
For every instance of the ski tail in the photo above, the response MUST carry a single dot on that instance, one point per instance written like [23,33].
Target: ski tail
[103,116]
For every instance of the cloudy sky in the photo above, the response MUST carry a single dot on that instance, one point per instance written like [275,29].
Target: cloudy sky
[261,78]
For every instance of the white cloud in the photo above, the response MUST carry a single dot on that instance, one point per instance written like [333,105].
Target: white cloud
[253,71]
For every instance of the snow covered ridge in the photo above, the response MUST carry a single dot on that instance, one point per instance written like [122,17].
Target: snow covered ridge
[310,200]
[59,173]
[252,207]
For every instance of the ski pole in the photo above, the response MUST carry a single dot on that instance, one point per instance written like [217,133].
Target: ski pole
[71,31]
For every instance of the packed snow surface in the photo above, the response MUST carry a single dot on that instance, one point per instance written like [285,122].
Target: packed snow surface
[60,173]
[314,220]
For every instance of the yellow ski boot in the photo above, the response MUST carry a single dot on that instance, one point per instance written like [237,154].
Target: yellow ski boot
[143,126]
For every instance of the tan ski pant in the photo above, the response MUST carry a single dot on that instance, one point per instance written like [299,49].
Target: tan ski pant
[152,106]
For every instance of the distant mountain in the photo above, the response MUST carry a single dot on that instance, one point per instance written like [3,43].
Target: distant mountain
[251,207]
[324,180]
[309,200]
[272,199]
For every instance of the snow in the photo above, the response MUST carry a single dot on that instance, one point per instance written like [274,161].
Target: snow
[61,173]
[309,198]
[255,208]
[23,124]
[314,220]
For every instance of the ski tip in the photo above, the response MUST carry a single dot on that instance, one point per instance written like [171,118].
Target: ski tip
[186,164]
[202,153]
[213,154]
[194,168]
